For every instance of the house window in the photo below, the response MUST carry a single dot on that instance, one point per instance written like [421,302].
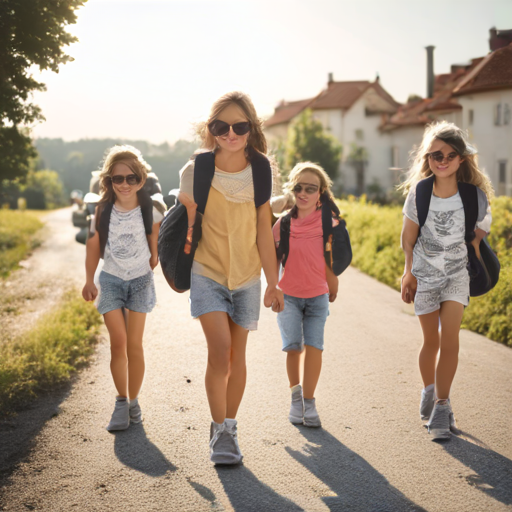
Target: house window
[471,117]
[502,178]
[506,113]
[359,134]
[497,114]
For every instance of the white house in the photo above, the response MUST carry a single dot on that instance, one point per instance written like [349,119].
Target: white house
[352,112]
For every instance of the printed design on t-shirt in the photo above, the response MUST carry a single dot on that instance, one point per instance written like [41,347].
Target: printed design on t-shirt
[443,222]
[237,187]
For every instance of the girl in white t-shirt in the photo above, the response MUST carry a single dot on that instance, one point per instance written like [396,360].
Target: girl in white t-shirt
[124,232]
[435,275]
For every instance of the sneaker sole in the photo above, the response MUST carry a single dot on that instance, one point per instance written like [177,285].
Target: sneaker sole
[226,459]
[116,428]
[295,420]
[312,424]
[440,435]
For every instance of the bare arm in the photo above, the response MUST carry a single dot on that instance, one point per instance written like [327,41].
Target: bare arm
[408,239]
[92,258]
[266,248]
[332,283]
[153,245]
[480,234]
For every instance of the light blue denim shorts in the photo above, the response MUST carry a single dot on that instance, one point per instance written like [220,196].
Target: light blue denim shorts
[302,322]
[242,304]
[135,294]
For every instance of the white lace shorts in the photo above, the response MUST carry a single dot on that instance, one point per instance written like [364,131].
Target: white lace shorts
[430,295]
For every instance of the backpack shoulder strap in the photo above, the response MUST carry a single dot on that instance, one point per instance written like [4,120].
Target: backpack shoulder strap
[423,195]
[104,212]
[284,238]
[329,210]
[261,177]
[469,195]
[204,169]
[146,208]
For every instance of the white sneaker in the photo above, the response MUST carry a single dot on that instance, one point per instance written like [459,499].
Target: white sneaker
[440,420]
[135,412]
[120,419]
[296,415]
[223,446]
[311,418]
[427,403]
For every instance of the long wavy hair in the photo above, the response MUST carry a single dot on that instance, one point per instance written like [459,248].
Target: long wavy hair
[468,171]
[295,176]
[256,138]
[127,155]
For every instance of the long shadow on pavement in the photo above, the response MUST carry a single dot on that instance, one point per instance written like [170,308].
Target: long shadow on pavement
[248,494]
[493,471]
[359,487]
[133,448]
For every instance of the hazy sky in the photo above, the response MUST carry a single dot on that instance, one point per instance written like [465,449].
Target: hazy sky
[149,69]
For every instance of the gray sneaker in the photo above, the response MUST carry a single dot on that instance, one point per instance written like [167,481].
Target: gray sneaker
[427,403]
[311,418]
[296,415]
[440,420]
[223,445]
[135,412]
[121,416]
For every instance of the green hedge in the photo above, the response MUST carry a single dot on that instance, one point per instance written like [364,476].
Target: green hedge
[375,237]
[48,354]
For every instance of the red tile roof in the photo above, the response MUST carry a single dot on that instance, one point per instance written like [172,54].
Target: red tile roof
[286,111]
[493,72]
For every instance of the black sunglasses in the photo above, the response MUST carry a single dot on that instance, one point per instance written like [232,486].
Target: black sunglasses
[309,189]
[439,157]
[131,179]
[219,128]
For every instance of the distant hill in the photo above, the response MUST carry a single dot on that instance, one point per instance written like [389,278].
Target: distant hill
[74,161]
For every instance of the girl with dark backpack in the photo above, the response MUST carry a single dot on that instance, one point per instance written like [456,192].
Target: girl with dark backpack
[124,232]
[436,239]
[313,247]
[227,188]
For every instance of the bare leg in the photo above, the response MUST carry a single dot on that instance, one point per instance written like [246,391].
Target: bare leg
[293,366]
[238,369]
[136,365]
[312,368]
[114,320]
[451,318]
[429,350]
[218,336]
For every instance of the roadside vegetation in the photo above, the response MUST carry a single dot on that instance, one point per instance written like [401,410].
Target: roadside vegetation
[48,354]
[375,237]
[17,237]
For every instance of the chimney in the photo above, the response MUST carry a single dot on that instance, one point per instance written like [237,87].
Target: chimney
[430,71]
[330,79]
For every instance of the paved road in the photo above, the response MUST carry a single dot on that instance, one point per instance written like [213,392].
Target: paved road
[372,453]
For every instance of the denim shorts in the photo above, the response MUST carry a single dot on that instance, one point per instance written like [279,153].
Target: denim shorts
[302,322]
[242,304]
[135,294]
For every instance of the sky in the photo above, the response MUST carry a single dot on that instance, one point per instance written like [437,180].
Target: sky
[150,69]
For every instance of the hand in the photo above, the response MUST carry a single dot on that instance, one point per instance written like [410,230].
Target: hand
[153,261]
[332,296]
[274,298]
[476,244]
[409,285]
[89,292]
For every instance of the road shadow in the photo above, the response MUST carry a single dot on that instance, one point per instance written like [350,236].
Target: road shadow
[358,486]
[19,431]
[248,494]
[493,471]
[133,448]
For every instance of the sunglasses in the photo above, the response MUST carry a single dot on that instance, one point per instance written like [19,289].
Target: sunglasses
[439,157]
[131,179]
[309,189]
[219,128]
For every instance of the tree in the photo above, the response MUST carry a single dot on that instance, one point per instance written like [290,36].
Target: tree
[307,141]
[358,158]
[43,190]
[32,34]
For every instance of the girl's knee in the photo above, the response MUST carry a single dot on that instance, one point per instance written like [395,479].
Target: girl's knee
[220,359]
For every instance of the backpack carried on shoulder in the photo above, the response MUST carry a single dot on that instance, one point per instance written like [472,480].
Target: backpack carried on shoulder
[176,263]
[337,248]
[484,272]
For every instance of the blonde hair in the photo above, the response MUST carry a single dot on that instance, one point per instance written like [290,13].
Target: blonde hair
[127,155]
[301,168]
[468,171]
[256,138]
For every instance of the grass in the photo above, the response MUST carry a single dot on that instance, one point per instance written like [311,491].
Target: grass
[17,237]
[375,237]
[49,354]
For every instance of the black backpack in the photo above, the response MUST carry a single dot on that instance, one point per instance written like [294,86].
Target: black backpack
[337,248]
[484,272]
[176,264]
